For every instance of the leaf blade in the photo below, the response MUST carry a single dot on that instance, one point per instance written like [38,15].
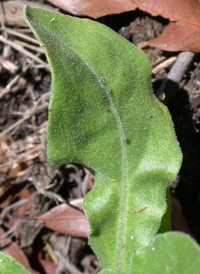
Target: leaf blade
[114,126]
[168,254]
[9,265]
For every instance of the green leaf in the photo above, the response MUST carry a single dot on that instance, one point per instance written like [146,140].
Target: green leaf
[10,266]
[109,271]
[104,116]
[171,252]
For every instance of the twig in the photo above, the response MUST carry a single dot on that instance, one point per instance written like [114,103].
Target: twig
[27,115]
[50,252]
[65,262]
[14,205]
[8,233]
[24,51]
[170,85]
[180,67]
[142,44]
[51,195]
[7,89]
[164,64]
[29,46]
[11,67]
[2,16]
[21,35]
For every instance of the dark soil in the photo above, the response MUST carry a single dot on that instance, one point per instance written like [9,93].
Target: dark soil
[25,172]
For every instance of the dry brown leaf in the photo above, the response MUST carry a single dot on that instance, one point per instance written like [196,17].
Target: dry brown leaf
[179,222]
[11,12]
[48,267]
[69,220]
[187,11]
[12,249]
[182,35]
[178,36]
[94,8]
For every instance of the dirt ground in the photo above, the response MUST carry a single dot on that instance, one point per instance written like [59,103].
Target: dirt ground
[30,185]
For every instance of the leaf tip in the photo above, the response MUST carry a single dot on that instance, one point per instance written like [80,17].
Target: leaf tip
[26,13]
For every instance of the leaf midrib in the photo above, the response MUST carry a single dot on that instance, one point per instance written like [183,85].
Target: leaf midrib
[120,260]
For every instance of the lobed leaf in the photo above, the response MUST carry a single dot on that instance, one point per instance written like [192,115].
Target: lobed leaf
[104,116]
